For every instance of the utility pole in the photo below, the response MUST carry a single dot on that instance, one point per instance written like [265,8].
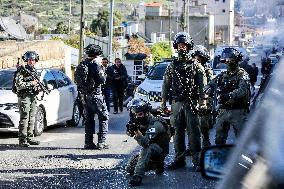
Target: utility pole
[69,21]
[187,16]
[82,31]
[110,31]
[170,24]
[184,16]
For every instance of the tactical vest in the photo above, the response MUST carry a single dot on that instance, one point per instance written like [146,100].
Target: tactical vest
[228,83]
[164,138]
[32,90]
[183,80]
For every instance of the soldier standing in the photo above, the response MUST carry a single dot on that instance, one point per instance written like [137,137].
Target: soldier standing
[183,84]
[89,77]
[27,90]
[201,55]
[152,134]
[233,94]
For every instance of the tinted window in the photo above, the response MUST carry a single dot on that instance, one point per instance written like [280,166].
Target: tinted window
[157,72]
[49,79]
[217,64]
[6,79]
[61,79]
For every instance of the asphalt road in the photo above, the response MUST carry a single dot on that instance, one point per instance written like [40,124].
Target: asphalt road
[60,162]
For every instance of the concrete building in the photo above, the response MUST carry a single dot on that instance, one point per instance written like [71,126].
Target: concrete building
[201,28]
[223,11]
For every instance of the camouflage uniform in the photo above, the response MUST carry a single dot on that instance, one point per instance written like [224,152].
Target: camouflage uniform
[235,109]
[27,100]
[155,145]
[183,83]
[206,118]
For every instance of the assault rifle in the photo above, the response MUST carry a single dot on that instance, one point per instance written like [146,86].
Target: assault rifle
[40,85]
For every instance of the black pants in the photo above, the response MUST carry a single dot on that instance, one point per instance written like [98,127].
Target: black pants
[117,99]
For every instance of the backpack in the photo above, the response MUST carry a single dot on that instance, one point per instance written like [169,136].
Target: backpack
[81,76]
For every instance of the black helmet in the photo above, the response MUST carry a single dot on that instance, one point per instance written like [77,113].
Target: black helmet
[138,105]
[200,50]
[93,50]
[183,37]
[230,54]
[30,55]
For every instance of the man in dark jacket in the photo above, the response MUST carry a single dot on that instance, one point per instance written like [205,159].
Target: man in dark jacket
[106,87]
[119,84]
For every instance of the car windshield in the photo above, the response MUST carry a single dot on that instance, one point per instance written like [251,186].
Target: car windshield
[218,65]
[6,79]
[157,72]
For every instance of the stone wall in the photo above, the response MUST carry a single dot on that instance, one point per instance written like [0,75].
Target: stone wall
[51,53]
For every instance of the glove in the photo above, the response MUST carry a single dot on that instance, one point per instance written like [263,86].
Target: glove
[224,98]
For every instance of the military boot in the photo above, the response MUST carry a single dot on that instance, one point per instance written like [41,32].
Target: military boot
[23,144]
[195,162]
[176,164]
[102,145]
[160,168]
[33,142]
[135,181]
[90,146]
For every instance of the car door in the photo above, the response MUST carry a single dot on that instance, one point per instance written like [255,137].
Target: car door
[52,100]
[72,94]
[65,107]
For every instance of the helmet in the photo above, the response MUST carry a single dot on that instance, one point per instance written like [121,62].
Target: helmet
[231,54]
[200,50]
[93,50]
[138,105]
[30,55]
[183,37]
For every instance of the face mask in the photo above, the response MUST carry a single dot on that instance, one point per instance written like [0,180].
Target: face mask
[183,55]
[232,67]
[142,120]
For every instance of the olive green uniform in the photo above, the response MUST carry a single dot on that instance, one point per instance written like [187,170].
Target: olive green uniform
[206,118]
[27,100]
[155,145]
[183,86]
[234,111]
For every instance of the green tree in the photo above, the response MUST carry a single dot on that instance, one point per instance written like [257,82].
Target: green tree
[161,50]
[100,24]
[61,28]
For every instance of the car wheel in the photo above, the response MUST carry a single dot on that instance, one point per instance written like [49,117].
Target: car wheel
[40,122]
[75,117]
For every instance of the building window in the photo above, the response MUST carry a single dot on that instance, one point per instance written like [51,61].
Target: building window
[223,10]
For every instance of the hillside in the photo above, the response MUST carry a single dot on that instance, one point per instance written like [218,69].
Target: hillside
[50,12]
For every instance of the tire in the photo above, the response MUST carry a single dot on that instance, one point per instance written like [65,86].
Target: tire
[131,164]
[75,117]
[40,121]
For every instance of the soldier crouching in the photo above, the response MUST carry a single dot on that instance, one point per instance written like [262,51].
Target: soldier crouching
[152,134]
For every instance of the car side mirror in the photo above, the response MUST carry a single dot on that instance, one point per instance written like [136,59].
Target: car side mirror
[213,159]
[50,87]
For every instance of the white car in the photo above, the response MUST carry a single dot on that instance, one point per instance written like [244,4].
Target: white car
[151,88]
[59,106]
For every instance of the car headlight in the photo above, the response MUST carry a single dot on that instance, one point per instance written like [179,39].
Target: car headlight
[141,91]
[10,106]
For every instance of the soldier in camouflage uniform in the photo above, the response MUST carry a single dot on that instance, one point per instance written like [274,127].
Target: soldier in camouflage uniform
[92,98]
[201,55]
[183,84]
[233,94]
[26,90]
[152,134]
